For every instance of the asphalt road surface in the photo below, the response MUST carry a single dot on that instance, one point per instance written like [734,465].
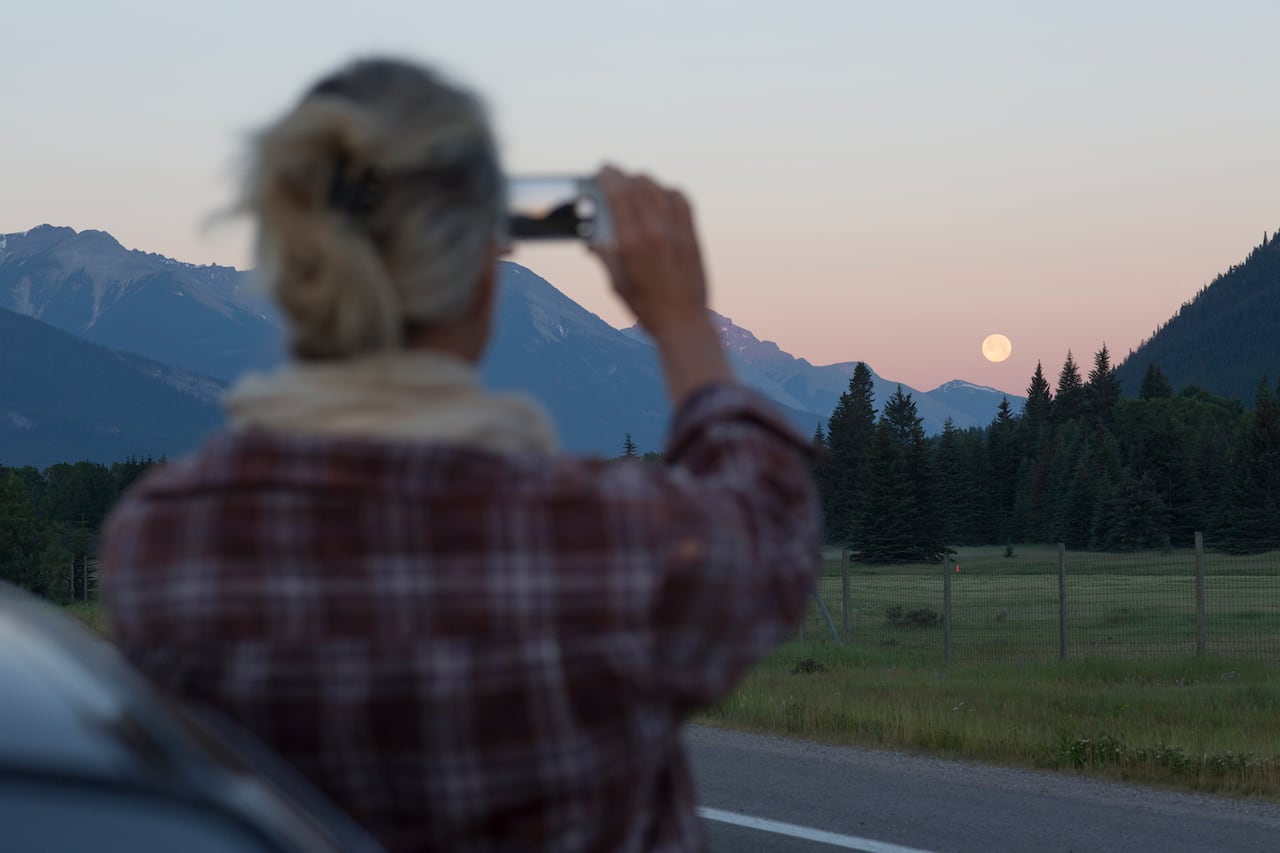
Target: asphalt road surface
[761,793]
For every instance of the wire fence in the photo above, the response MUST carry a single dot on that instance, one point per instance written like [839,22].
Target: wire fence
[1044,602]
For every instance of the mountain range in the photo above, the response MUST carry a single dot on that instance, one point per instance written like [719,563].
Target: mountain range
[188,330]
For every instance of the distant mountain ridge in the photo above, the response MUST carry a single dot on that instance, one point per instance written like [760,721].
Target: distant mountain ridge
[814,390]
[63,399]
[598,382]
[205,319]
[1226,339]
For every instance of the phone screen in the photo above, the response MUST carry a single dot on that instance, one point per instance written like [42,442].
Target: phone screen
[550,208]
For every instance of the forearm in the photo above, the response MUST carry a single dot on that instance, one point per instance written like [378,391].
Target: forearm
[745,526]
[692,357]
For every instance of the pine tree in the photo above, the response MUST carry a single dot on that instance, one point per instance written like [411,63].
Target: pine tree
[1036,412]
[1132,518]
[1068,397]
[849,434]
[1004,452]
[819,445]
[32,555]
[628,448]
[1253,523]
[904,520]
[1154,385]
[885,529]
[1103,390]
[952,477]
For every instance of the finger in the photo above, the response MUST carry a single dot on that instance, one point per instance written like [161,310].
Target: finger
[652,207]
[682,215]
[617,190]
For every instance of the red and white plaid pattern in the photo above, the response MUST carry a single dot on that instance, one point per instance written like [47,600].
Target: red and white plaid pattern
[473,652]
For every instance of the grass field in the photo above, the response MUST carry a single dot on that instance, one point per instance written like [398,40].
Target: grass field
[1133,701]
[1193,723]
[1006,608]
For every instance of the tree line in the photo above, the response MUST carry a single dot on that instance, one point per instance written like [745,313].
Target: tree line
[49,519]
[1079,464]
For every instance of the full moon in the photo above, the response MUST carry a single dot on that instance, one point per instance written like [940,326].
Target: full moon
[996,348]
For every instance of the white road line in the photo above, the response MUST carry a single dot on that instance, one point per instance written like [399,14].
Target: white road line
[848,842]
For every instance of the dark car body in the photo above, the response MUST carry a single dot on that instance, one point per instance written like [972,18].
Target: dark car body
[92,758]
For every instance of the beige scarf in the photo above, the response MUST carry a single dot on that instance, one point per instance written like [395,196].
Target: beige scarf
[411,395]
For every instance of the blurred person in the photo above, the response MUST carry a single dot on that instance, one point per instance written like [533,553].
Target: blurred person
[469,639]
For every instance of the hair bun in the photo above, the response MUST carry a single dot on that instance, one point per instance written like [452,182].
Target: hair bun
[349,244]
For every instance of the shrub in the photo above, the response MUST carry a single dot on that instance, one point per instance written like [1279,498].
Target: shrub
[920,618]
[807,666]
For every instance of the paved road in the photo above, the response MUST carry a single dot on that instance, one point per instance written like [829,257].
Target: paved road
[883,802]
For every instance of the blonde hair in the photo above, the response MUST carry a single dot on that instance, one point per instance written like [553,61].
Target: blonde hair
[376,198]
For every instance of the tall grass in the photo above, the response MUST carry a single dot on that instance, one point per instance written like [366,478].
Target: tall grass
[1193,723]
[93,615]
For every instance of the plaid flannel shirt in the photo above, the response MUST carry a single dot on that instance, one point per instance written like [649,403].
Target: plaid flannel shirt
[467,651]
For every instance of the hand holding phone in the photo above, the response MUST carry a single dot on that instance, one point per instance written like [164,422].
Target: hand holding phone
[557,208]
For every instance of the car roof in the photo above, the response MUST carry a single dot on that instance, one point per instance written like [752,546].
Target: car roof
[72,705]
[75,710]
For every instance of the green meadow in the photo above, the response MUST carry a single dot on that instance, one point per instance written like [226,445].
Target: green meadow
[1132,701]
[1193,723]
[1007,608]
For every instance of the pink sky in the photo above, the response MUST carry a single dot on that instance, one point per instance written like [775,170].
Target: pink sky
[873,182]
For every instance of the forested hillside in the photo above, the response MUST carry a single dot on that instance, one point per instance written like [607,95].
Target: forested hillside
[1225,339]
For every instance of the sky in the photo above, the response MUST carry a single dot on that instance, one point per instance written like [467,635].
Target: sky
[889,182]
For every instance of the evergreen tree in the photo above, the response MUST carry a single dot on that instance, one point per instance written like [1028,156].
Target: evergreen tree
[1103,390]
[1004,453]
[885,531]
[1132,518]
[1253,523]
[819,444]
[1036,413]
[978,526]
[1075,486]
[1068,397]
[952,473]
[1154,385]
[31,552]
[1106,475]
[1037,497]
[819,441]
[849,435]
[903,520]
[628,448]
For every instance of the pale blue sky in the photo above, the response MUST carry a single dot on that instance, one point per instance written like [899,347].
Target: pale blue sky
[880,181]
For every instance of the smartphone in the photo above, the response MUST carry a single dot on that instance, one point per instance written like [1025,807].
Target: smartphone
[557,208]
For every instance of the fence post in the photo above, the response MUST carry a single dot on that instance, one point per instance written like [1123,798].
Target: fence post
[1062,601]
[844,594]
[1201,621]
[946,610]
[826,617]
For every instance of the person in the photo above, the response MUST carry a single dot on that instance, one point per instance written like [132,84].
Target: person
[468,638]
